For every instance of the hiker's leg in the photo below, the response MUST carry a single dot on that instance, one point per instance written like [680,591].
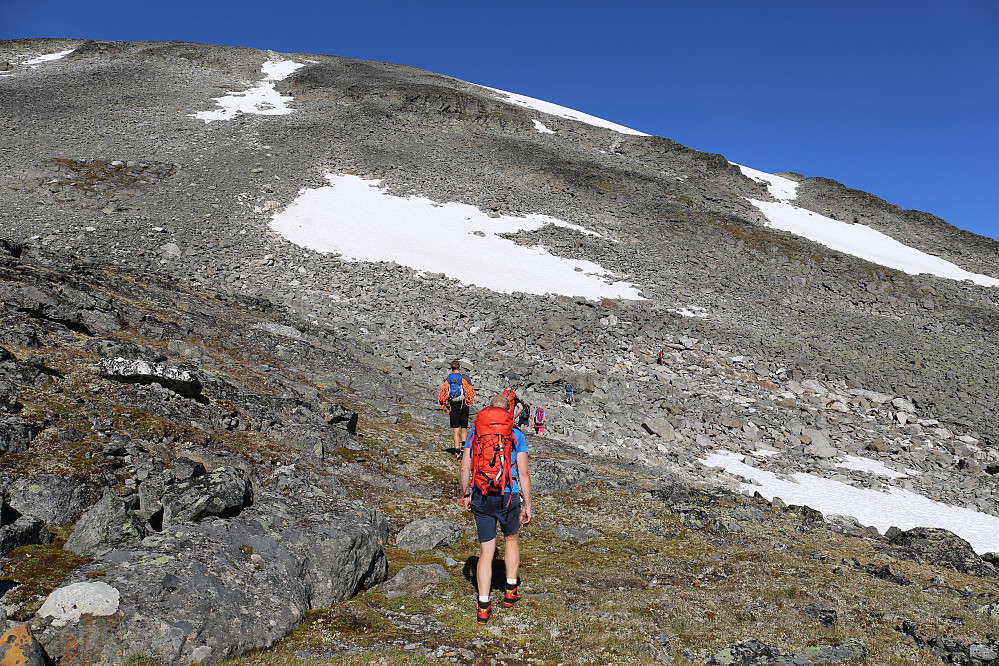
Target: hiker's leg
[458,441]
[464,437]
[511,555]
[484,570]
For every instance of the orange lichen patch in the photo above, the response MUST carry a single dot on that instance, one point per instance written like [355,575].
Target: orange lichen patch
[16,646]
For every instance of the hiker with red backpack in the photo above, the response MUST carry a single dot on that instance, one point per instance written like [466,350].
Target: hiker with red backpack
[496,487]
[454,398]
[539,422]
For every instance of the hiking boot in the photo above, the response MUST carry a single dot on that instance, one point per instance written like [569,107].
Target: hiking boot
[485,610]
[510,595]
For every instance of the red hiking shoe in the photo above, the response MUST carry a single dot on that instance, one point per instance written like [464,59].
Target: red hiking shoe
[485,610]
[510,595]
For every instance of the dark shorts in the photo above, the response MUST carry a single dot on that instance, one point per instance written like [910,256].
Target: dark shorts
[459,415]
[488,509]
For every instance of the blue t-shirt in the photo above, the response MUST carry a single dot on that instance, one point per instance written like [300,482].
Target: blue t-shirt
[520,446]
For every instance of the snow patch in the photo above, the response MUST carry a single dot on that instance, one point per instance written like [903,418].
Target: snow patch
[855,239]
[262,99]
[896,506]
[561,111]
[354,218]
[35,63]
[540,126]
[873,466]
[863,242]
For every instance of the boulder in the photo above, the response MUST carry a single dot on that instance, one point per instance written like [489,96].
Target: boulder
[136,371]
[107,525]
[659,427]
[18,646]
[552,475]
[942,547]
[25,531]
[204,592]
[56,500]
[413,579]
[15,436]
[428,534]
[222,492]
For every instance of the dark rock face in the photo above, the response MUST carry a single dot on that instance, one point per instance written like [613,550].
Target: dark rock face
[223,492]
[107,525]
[26,530]
[55,500]
[942,547]
[204,592]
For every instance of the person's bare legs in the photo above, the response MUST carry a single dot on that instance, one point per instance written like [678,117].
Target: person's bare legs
[484,569]
[511,555]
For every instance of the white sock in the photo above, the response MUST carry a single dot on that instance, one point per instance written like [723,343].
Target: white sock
[511,581]
[484,599]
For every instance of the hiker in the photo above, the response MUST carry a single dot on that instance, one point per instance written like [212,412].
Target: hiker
[491,496]
[539,422]
[516,405]
[661,359]
[568,394]
[455,397]
[524,419]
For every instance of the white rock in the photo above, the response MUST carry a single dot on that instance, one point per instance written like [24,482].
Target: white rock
[67,604]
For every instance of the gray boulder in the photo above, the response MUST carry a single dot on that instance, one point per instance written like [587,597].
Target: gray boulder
[660,427]
[56,500]
[24,531]
[15,436]
[413,579]
[428,534]
[105,526]
[552,475]
[222,492]
[204,592]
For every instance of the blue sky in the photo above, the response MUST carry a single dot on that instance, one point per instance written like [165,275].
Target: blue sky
[896,97]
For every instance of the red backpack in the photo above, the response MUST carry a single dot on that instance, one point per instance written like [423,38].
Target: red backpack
[512,397]
[491,451]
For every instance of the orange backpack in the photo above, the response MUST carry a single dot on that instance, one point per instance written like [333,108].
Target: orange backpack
[491,451]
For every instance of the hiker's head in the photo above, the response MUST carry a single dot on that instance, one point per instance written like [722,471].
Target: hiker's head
[455,366]
[500,401]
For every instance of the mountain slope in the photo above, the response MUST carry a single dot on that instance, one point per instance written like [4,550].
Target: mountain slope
[123,155]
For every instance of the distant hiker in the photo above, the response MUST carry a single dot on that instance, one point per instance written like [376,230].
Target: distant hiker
[525,415]
[568,394]
[496,486]
[516,406]
[539,422]
[454,398]
[661,359]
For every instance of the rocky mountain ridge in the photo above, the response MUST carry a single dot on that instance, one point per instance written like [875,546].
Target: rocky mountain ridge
[773,343]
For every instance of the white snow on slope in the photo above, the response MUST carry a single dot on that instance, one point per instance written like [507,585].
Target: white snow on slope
[562,111]
[899,507]
[356,219]
[854,239]
[262,99]
[35,63]
[873,466]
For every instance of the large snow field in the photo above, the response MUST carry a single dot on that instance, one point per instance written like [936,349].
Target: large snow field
[882,509]
[855,239]
[262,99]
[357,219]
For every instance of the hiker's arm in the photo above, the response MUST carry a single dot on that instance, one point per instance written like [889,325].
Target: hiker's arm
[465,499]
[524,481]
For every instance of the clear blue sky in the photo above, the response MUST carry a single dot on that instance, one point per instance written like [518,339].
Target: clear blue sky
[896,97]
